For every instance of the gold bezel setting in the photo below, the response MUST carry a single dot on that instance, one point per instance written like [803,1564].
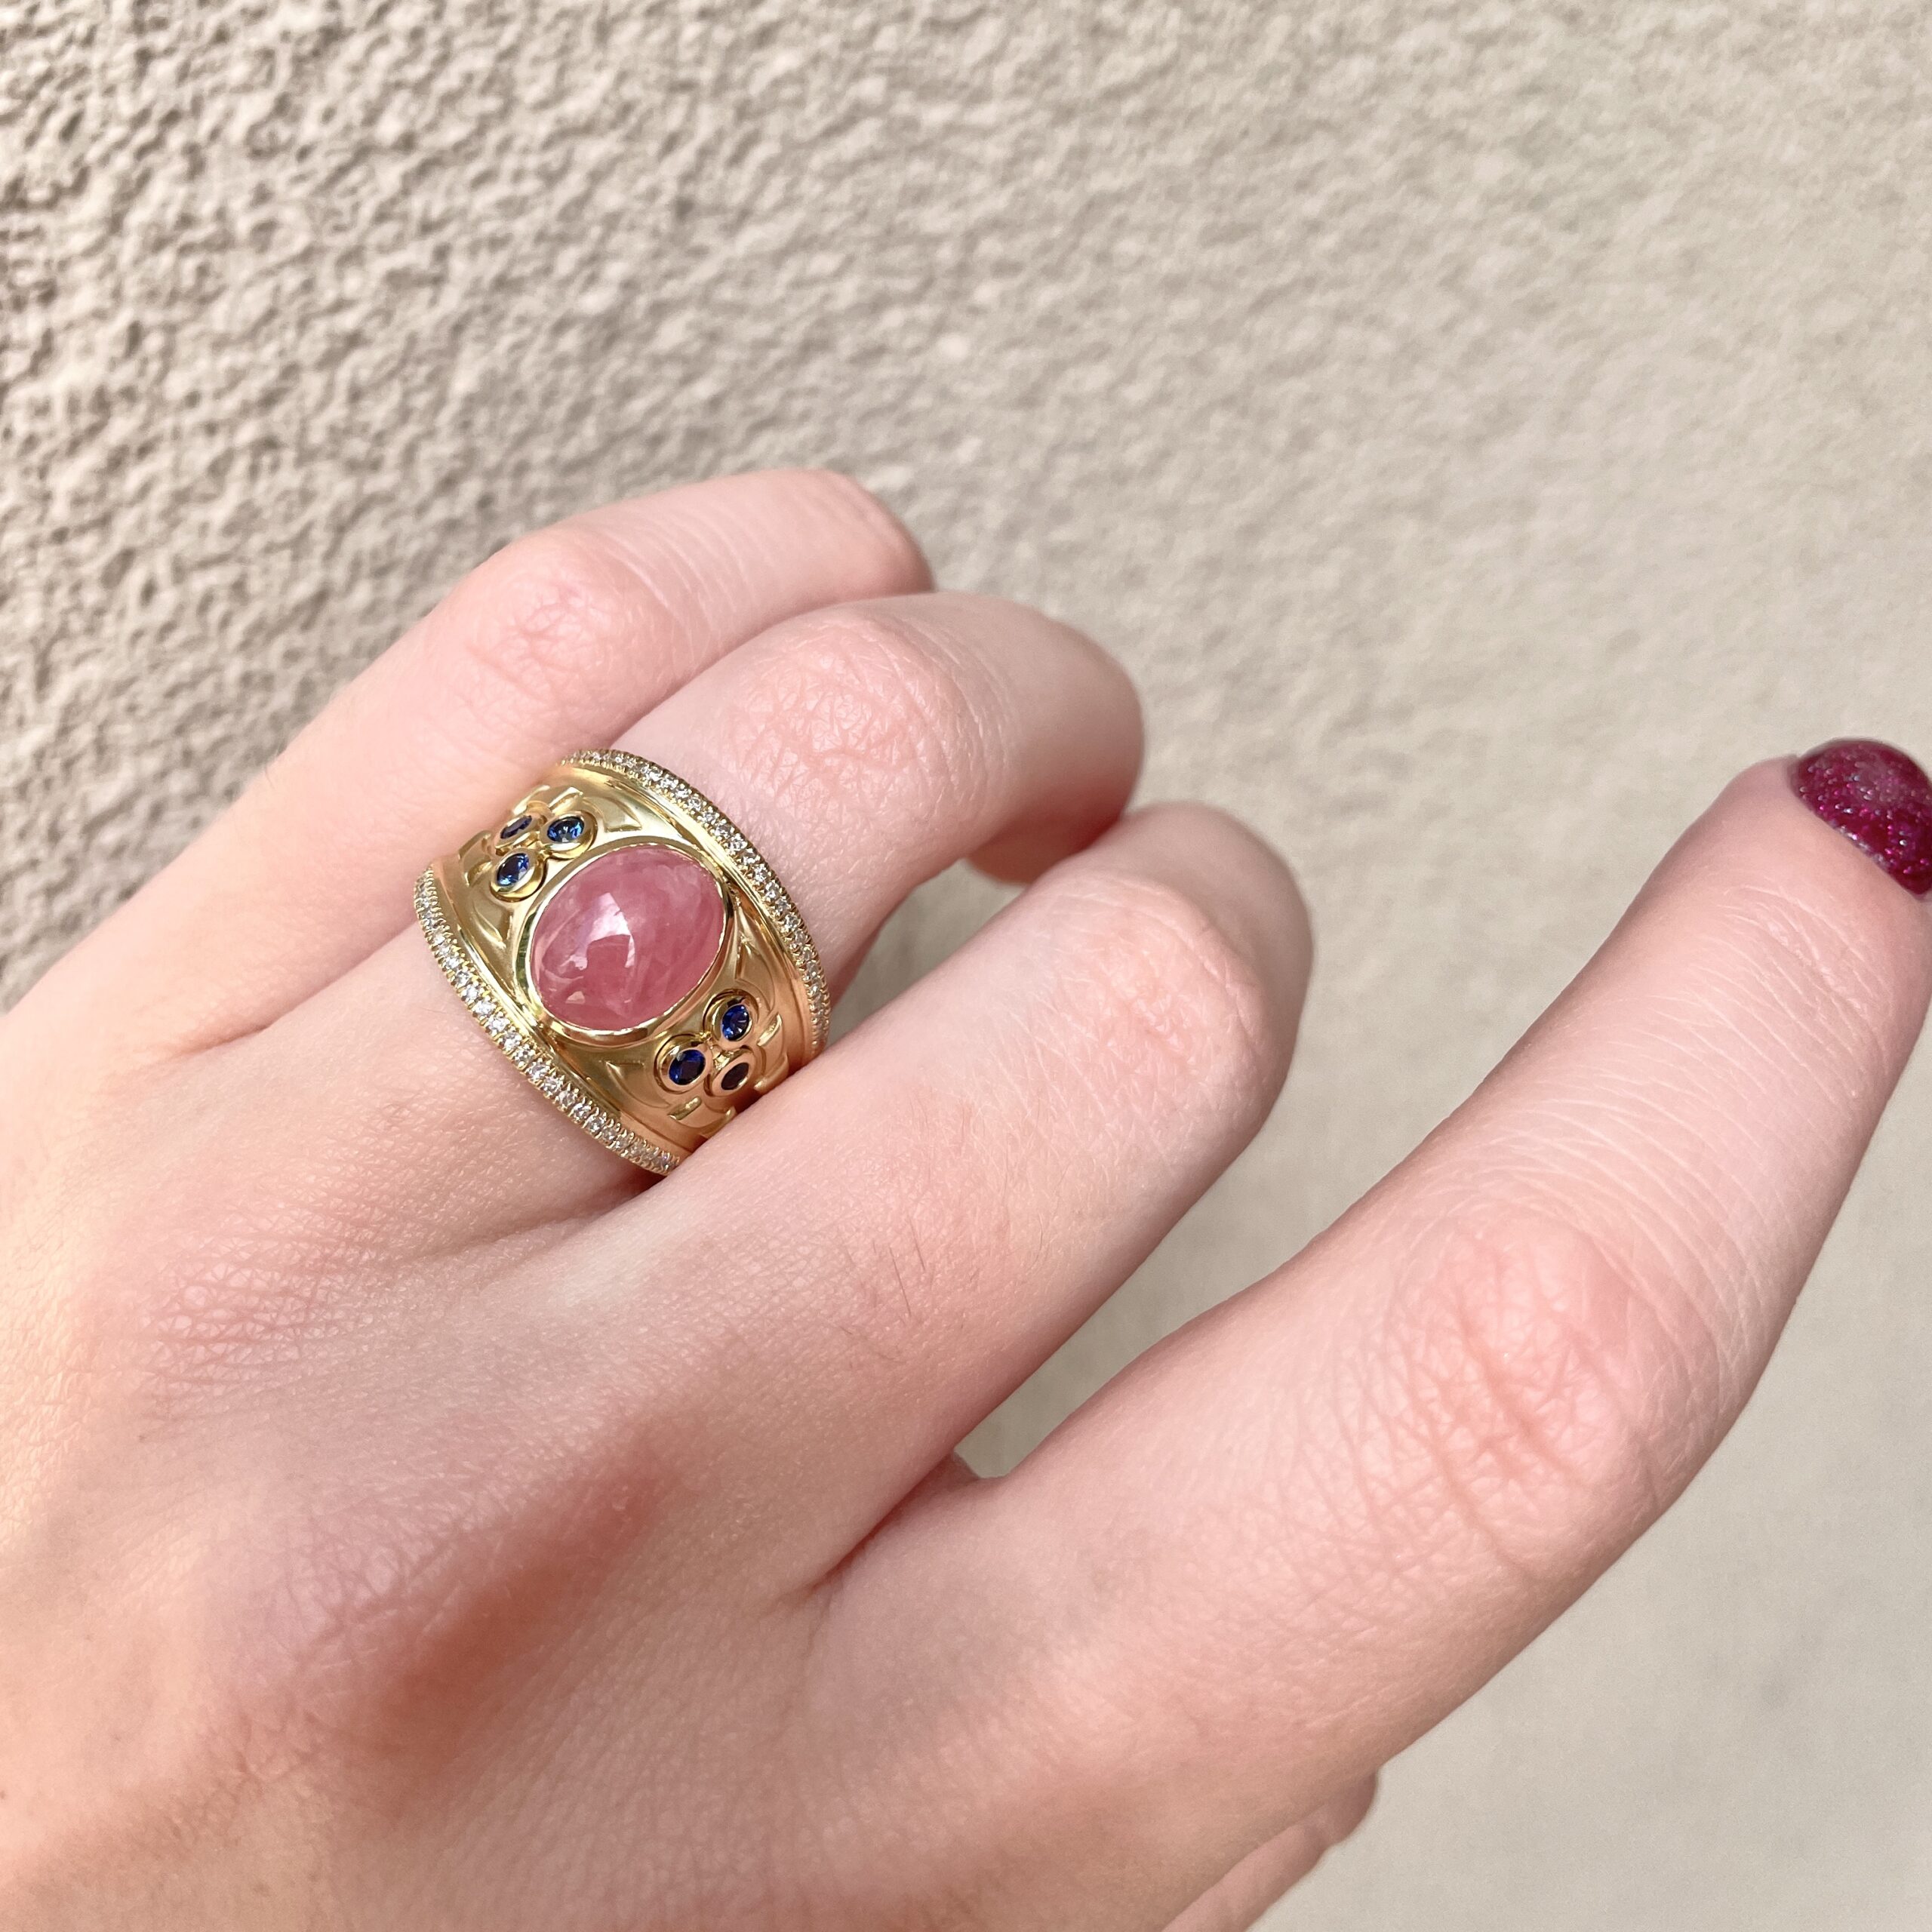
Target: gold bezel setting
[616,1086]
[591,1036]
[772,901]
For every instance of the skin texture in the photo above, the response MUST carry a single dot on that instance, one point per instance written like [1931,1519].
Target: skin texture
[412,1519]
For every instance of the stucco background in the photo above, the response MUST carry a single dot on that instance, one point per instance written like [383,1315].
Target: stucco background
[1482,427]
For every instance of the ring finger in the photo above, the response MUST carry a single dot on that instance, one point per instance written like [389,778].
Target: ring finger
[865,747]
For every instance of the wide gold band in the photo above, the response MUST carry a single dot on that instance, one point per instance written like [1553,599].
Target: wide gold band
[654,1087]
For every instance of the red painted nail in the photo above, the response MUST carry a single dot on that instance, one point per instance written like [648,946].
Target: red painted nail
[1878,798]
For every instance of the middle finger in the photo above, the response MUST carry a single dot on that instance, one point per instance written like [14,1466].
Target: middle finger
[864,749]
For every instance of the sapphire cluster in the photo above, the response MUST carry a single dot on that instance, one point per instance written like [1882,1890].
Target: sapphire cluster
[521,843]
[731,1021]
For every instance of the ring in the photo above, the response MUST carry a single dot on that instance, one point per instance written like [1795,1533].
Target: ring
[632,954]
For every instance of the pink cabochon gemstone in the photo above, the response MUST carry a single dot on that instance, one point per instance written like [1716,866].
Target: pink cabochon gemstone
[627,937]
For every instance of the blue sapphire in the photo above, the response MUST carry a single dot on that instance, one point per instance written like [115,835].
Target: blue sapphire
[512,870]
[685,1067]
[517,827]
[735,1077]
[564,831]
[735,1022]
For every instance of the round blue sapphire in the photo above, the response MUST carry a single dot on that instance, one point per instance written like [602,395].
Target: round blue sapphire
[512,870]
[733,1077]
[517,827]
[564,831]
[735,1022]
[685,1067]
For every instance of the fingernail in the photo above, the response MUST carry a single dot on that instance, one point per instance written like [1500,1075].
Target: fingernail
[1878,798]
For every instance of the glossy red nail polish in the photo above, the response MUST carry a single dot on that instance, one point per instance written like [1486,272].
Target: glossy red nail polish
[1880,800]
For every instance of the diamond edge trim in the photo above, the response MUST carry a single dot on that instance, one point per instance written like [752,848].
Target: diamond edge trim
[501,1025]
[774,902]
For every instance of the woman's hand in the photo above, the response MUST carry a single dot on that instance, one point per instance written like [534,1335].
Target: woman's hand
[413,1521]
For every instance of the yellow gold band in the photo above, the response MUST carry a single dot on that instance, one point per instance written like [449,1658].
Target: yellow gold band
[632,954]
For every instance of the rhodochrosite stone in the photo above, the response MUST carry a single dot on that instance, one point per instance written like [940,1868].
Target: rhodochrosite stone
[626,938]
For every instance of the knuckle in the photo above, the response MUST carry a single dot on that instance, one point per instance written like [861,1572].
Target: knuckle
[548,614]
[1174,998]
[857,712]
[1546,1380]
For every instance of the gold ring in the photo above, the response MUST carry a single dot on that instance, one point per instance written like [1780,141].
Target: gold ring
[625,945]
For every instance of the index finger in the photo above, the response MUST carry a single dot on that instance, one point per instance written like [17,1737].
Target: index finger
[1287,1542]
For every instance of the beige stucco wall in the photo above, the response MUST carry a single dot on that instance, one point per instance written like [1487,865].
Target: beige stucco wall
[1482,425]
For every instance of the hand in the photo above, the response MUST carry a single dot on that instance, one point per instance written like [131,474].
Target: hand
[412,1520]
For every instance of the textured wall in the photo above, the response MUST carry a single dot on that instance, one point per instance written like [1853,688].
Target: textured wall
[1481,425]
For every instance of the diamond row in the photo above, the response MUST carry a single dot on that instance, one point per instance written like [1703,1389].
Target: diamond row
[567,1095]
[774,902]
